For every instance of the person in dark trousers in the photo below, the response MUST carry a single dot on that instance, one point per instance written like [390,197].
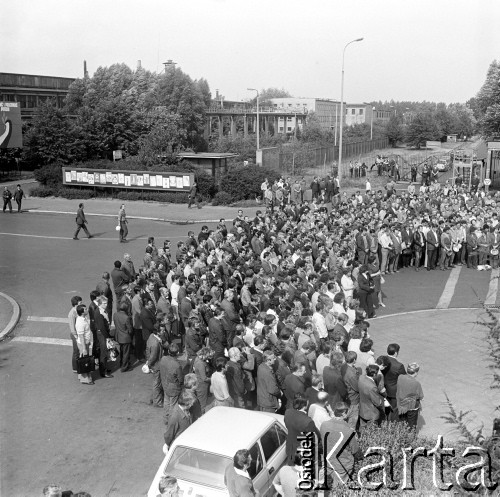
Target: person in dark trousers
[194,196]
[102,327]
[75,302]
[18,197]
[122,222]
[7,196]
[172,380]
[123,334]
[80,222]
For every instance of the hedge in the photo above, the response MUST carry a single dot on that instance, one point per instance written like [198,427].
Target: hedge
[50,179]
[222,198]
[244,182]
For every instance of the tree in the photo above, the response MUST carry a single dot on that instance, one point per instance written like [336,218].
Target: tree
[312,131]
[163,138]
[422,128]
[51,138]
[487,102]
[266,94]
[394,131]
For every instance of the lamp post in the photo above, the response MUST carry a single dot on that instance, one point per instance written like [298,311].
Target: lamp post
[339,171]
[258,124]
[371,126]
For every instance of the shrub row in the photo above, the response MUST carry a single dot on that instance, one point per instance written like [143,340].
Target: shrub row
[240,183]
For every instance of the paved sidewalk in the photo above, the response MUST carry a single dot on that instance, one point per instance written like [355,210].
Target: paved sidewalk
[135,209]
[9,314]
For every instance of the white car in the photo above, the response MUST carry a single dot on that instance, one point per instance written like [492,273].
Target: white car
[199,456]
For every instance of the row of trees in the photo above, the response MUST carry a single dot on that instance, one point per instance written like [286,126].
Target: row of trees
[151,115]
[139,112]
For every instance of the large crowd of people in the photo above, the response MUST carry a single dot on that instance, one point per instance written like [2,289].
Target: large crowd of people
[273,312]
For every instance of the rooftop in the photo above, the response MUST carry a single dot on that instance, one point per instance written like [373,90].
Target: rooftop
[239,429]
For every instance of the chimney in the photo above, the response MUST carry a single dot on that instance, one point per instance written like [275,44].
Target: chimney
[85,72]
[139,66]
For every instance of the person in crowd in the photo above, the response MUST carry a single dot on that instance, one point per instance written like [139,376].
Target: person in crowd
[409,395]
[154,353]
[172,379]
[180,417]
[371,401]
[341,458]
[123,334]
[85,340]
[76,300]
[236,477]
[169,487]
[391,375]
[101,320]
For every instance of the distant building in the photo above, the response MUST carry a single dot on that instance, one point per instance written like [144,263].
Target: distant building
[362,113]
[31,90]
[327,112]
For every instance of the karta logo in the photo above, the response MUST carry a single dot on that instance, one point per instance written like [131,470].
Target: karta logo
[337,460]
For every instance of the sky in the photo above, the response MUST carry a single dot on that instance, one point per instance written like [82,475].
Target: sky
[435,50]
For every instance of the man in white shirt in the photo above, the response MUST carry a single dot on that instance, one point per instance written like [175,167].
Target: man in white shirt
[319,321]
[319,412]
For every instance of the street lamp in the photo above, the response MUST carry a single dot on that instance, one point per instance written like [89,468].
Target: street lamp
[339,171]
[256,91]
[371,126]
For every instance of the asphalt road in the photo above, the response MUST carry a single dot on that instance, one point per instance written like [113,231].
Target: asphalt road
[106,439]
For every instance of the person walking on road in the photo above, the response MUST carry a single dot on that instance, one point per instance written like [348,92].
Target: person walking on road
[18,197]
[80,222]
[122,222]
[7,196]
[194,195]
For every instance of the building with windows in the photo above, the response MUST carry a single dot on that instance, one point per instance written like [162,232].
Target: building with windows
[327,112]
[31,90]
[364,113]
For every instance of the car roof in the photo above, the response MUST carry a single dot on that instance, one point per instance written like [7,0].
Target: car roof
[225,430]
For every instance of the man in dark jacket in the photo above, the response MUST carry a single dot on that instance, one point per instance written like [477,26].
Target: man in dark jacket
[123,335]
[148,318]
[235,378]
[294,382]
[154,353]
[332,380]
[268,391]
[180,418]
[217,337]
[172,379]
[391,377]
[80,220]
[297,422]
[120,280]
[104,288]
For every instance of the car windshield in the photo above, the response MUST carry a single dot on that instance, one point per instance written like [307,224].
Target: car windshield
[196,466]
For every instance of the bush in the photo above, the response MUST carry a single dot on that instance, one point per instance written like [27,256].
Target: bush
[49,175]
[76,193]
[244,182]
[43,191]
[222,198]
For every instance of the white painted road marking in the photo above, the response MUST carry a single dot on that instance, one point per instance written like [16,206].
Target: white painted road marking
[44,341]
[449,289]
[491,296]
[85,238]
[47,319]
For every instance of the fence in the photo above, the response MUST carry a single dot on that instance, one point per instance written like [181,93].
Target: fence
[294,161]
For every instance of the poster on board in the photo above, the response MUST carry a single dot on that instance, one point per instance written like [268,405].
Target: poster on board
[159,180]
[121,178]
[102,178]
[178,180]
[146,179]
[127,181]
[85,176]
[185,181]
[91,179]
[152,181]
[166,182]
[67,176]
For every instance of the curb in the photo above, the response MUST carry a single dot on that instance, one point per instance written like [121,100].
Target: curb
[14,319]
[143,218]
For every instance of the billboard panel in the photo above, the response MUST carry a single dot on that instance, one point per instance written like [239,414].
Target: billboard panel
[134,180]
[11,129]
